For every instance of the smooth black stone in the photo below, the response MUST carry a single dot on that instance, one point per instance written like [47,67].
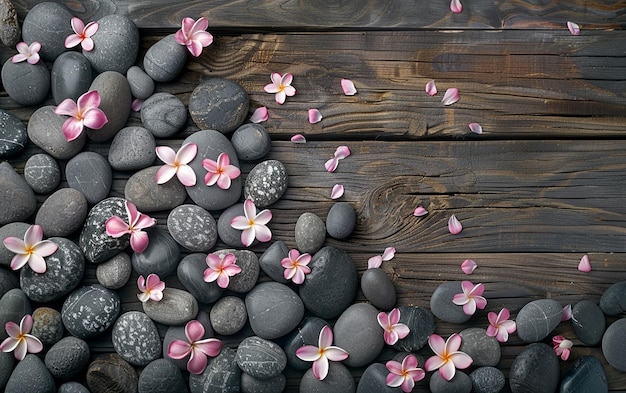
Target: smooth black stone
[251,141]
[190,272]
[537,319]
[487,380]
[91,174]
[270,261]
[441,303]
[176,308]
[115,102]
[274,310]
[310,233]
[357,331]
[17,199]
[338,380]
[307,333]
[250,269]
[13,135]
[613,300]
[13,306]
[49,24]
[163,114]
[220,376]
[8,281]
[63,273]
[67,358]
[47,325]
[161,376]
[71,76]
[192,227]
[15,229]
[614,344]
[588,321]
[219,104]
[260,358]
[9,28]
[109,373]
[225,231]
[62,213]
[483,349]
[7,361]
[228,315]
[165,59]
[341,220]
[27,84]
[373,380]
[460,383]
[40,131]
[90,310]
[30,375]
[378,288]
[116,44]
[535,370]
[115,272]
[132,148]
[585,375]
[266,183]
[94,242]
[136,338]
[249,384]
[161,257]
[141,85]
[143,190]
[178,333]
[42,173]
[332,284]
[72,387]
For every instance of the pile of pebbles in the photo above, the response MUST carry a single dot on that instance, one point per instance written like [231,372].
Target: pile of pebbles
[280,316]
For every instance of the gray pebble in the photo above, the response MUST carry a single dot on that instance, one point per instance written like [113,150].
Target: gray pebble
[7,361]
[47,325]
[270,261]
[141,85]
[192,227]
[260,358]
[96,245]
[479,346]
[132,148]
[165,59]
[378,288]
[63,213]
[71,76]
[90,310]
[266,183]
[357,331]
[67,358]
[613,300]
[110,373]
[373,380]
[535,369]
[44,130]
[441,303]
[176,308]
[72,387]
[338,380]
[31,375]
[161,376]
[143,190]
[588,321]
[8,281]
[461,383]
[421,323]
[487,380]
[190,272]
[225,231]
[13,306]
[17,199]
[614,344]
[27,84]
[249,264]
[341,220]
[249,384]
[163,114]
[310,233]
[220,376]
[9,27]
[228,315]
[116,44]
[114,273]
[219,104]
[49,24]
[274,309]
[585,375]
[13,135]
[42,173]
[161,257]
[115,102]
[136,338]
[91,174]
[15,229]
[537,319]
[251,141]
[307,333]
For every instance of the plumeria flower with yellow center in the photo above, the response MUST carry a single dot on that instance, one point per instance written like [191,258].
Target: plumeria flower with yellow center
[321,354]
[471,297]
[221,269]
[19,340]
[85,112]
[220,171]
[82,34]
[31,250]
[30,53]
[500,326]
[296,266]
[394,330]
[193,34]
[281,87]
[176,164]
[196,347]
[562,347]
[447,356]
[252,224]
[151,288]
[405,374]
[116,227]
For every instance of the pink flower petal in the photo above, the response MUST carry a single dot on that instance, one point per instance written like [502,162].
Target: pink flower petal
[437,344]
[94,118]
[573,28]
[186,175]
[402,330]
[320,368]
[298,138]
[394,379]
[325,337]
[420,211]
[314,116]
[186,153]
[335,354]
[139,241]
[342,152]
[567,313]
[166,154]
[468,266]
[77,25]
[72,41]
[454,225]
[263,233]
[222,280]
[337,191]
[331,165]
[476,128]
[91,99]
[14,244]
[37,263]
[178,349]
[308,353]
[165,174]
[431,88]
[67,107]
[447,370]
[461,360]
[348,87]
[197,362]
[248,236]
[584,265]
[87,44]
[388,254]
[21,350]
[259,115]
[375,262]
[72,129]
[210,346]
[116,227]
[451,96]
[433,363]
[19,260]
[456,6]
[194,330]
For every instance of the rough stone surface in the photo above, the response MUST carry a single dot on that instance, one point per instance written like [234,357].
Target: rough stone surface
[357,331]
[192,227]
[585,375]
[220,376]
[136,338]
[161,257]
[588,321]
[270,261]
[72,387]
[460,383]
[251,141]
[483,349]
[7,362]
[421,322]
[249,384]
[535,370]
[614,344]
[8,281]
[378,288]
[227,233]
[115,272]
[487,380]
[13,135]
[44,131]
[190,272]
[67,358]
[273,310]
[62,213]
[341,220]
[115,101]
[310,233]
[165,59]
[132,148]
[613,300]
[17,199]
[260,358]
[89,173]
[219,104]
[441,303]
[307,333]
[47,325]
[94,242]
[42,173]
[116,44]
[161,376]
[13,306]
[537,319]
[338,380]
[49,24]
[110,373]
[373,380]
[176,308]
[163,114]
[249,264]
[71,76]
[30,375]
[15,229]
[90,310]
[228,315]
[27,84]
[9,27]
[141,85]
[266,183]
[143,190]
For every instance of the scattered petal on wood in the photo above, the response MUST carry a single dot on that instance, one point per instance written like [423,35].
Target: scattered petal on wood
[567,313]
[348,87]
[476,128]
[420,211]
[337,191]
[259,115]
[298,138]
[314,116]
[454,225]
[431,88]
[584,265]
[573,28]
[451,96]
[456,6]
[468,266]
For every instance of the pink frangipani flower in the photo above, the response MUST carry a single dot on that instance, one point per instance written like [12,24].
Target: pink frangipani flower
[567,313]
[471,297]
[468,266]
[431,88]
[420,211]
[151,288]
[584,265]
[447,356]
[220,171]
[500,326]
[451,96]
[296,266]
[19,339]
[280,86]
[375,261]
[259,115]
[340,153]
[85,112]
[221,269]
[176,163]
[456,6]
[117,227]
[573,28]
[30,53]
[197,347]
[562,347]
[193,34]
[348,87]
[321,354]
[454,225]
[476,128]
[405,374]
[393,329]
[31,250]
[337,191]
[298,138]
[315,116]
[252,224]
[82,34]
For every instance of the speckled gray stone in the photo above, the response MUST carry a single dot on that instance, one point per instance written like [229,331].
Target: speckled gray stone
[13,306]
[487,380]
[357,331]
[251,141]
[63,213]
[136,338]
[378,288]
[15,229]
[219,104]
[225,231]
[249,264]
[141,85]
[161,257]
[249,384]
[614,344]
[274,309]
[47,325]
[260,358]
[537,319]
[176,308]
[421,323]
[42,173]
[17,199]
[13,135]
[72,387]
[143,190]
[67,358]
[441,303]
[461,383]
[109,373]
[483,349]
[49,24]
[163,114]
[588,321]
[161,376]
[190,272]
[94,242]
[116,44]
[341,220]
[44,130]
[192,227]
[338,380]
[7,362]
[27,84]
[132,148]
[220,376]
[373,380]
[535,370]
[115,272]
[30,375]
[310,233]
[71,76]
[613,300]
[266,183]
[90,310]
[307,333]
[228,315]
[115,102]
[165,59]
[9,29]
[270,261]
[89,173]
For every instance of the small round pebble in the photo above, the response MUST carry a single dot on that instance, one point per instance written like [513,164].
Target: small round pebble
[378,288]
[161,257]
[614,344]
[115,272]
[141,85]
[17,199]
[42,173]
[251,141]
[613,300]
[62,213]
[274,309]
[30,375]
[190,272]
[67,358]
[143,190]
[460,383]
[260,358]
[47,325]
[266,183]
[341,220]
[90,173]
[176,308]
[535,369]
[116,44]
[310,233]
[27,84]
[228,315]
[588,321]
[487,380]
[40,126]
[225,231]
[136,338]
[90,310]
[338,380]
[192,227]
[49,24]
[249,263]
[115,102]
[161,376]
[483,349]
[71,76]
[13,135]
[165,59]
[270,261]
[537,319]
[221,375]
[357,331]
[163,114]
[249,384]
[219,104]
[110,373]
[441,303]
[132,148]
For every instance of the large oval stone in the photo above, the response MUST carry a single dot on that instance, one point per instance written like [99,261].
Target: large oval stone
[71,76]
[192,227]
[340,220]
[176,308]
[163,114]
[94,242]
[307,333]
[270,261]
[165,59]
[219,104]
[588,321]
[535,370]
[378,288]
[338,380]
[136,338]
[357,331]
[49,24]
[309,233]
[116,44]
[441,303]
[273,310]
[421,323]
[115,102]
[485,350]
[89,173]
[251,141]
[613,300]
[17,199]
[537,319]
[161,257]
[228,315]
[132,148]
[27,84]
[143,190]
[44,130]
[13,135]
[63,213]
[90,310]
[161,376]
[614,344]
[260,358]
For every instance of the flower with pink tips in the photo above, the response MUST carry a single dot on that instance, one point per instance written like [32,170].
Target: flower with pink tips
[296,266]
[117,227]
[322,354]
[31,250]
[500,326]
[151,288]
[253,225]
[82,34]
[30,53]
[220,172]
[85,112]
[176,163]
[20,342]
[195,347]
[562,347]
[193,35]
[281,87]
[405,374]
[376,261]
[221,269]
[393,329]
[340,153]
[447,356]
[471,298]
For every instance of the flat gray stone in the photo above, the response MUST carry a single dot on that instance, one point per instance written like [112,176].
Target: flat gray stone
[373,380]
[63,213]
[30,375]
[114,273]
[71,76]
[441,303]
[49,24]
[535,370]
[42,173]
[614,344]
[588,321]
[220,376]
[192,227]
[483,349]
[143,190]
[378,288]
[132,148]
[219,104]
[27,84]
[17,199]
[176,308]
[165,59]
[357,331]
[72,387]
[461,383]
[136,338]
[94,242]
[251,141]
[613,300]
[190,272]
[116,44]
[310,233]
[141,85]
[228,315]
[89,173]
[115,101]
[7,362]
[161,376]
[266,183]
[13,135]
[487,380]
[341,220]
[161,257]
[249,384]
[47,325]
[260,358]
[537,319]
[90,310]
[44,130]
[67,358]
[163,114]
[274,310]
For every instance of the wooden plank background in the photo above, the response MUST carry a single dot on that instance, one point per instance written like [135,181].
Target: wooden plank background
[543,185]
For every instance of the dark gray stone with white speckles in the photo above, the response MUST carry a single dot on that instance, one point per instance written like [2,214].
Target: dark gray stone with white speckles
[176,308]
[249,384]
[219,104]
[165,59]
[485,350]
[160,257]
[132,148]
[31,375]
[116,44]
[27,84]
[89,173]
[537,319]
[228,315]
[190,272]
[251,141]
[487,380]
[68,357]
[250,269]
[42,173]
[163,114]
[71,76]
[141,85]
[266,183]
[17,199]
[94,242]
[421,323]
[62,213]
[136,338]
[15,229]
[49,24]
[143,190]
[90,310]
[13,135]
[72,387]
[441,303]
[260,358]
[44,130]
[192,227]
[220,376]
[47,325]
[161,376]
[310,233]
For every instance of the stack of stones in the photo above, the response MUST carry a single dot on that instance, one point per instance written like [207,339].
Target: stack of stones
[269,319]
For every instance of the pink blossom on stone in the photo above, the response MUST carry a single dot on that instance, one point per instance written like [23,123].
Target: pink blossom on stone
[567,313]
[296,266]
[584,265]
[20,342]
[476,128]
[451,96]
[30,53]
[136,105]
[393,329]
[348,87]
[117,227]
[500,326]
[176,163]
[193,34]
[456,6]
[220,171]
[260,115]
[341,153]
[151,288]
[431,88]
[252,224]
[376,261]
[337,191]
[298,138]
[196,347]
[562,347]
[405,374]
[420,211]
[31,250]
[573,28]
[468,266]
[281,87]
[314,116]
[454,225]
[322,354]
[85,112]
[82,34]
[471,298]
[221,269]
[447,356]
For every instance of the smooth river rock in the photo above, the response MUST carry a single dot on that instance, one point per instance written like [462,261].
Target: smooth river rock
[141,85]
[357,331]
[116,45]
[222,375]
[309,233]
[94,242]
[535,370]
[67,358]
[613,300]
[251,141]
[161,376]
[585,375]
[274,310]
[42,173]
[219,104]
[483,349]
[338,380]
[176,308]
[161,257]
[49,24]
[190,272]
[487,380]
[143,190]
[378,288]
[163,114]
[27,84]
[109,373]
[614,344]
[307,333]
[30,375]
[165,59]
[537,319]
[260,358]
[90,310]
[13,135]
[44,130]
[89,173]
[270,261]
[192,227]
[71,76]
[62,213]
[441,303]
[588,321]
[228,315]
[115,272]
[421,323]
[115,102]
[13,306]
[132,148]
[266,183]
[136,338]
[17,199]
